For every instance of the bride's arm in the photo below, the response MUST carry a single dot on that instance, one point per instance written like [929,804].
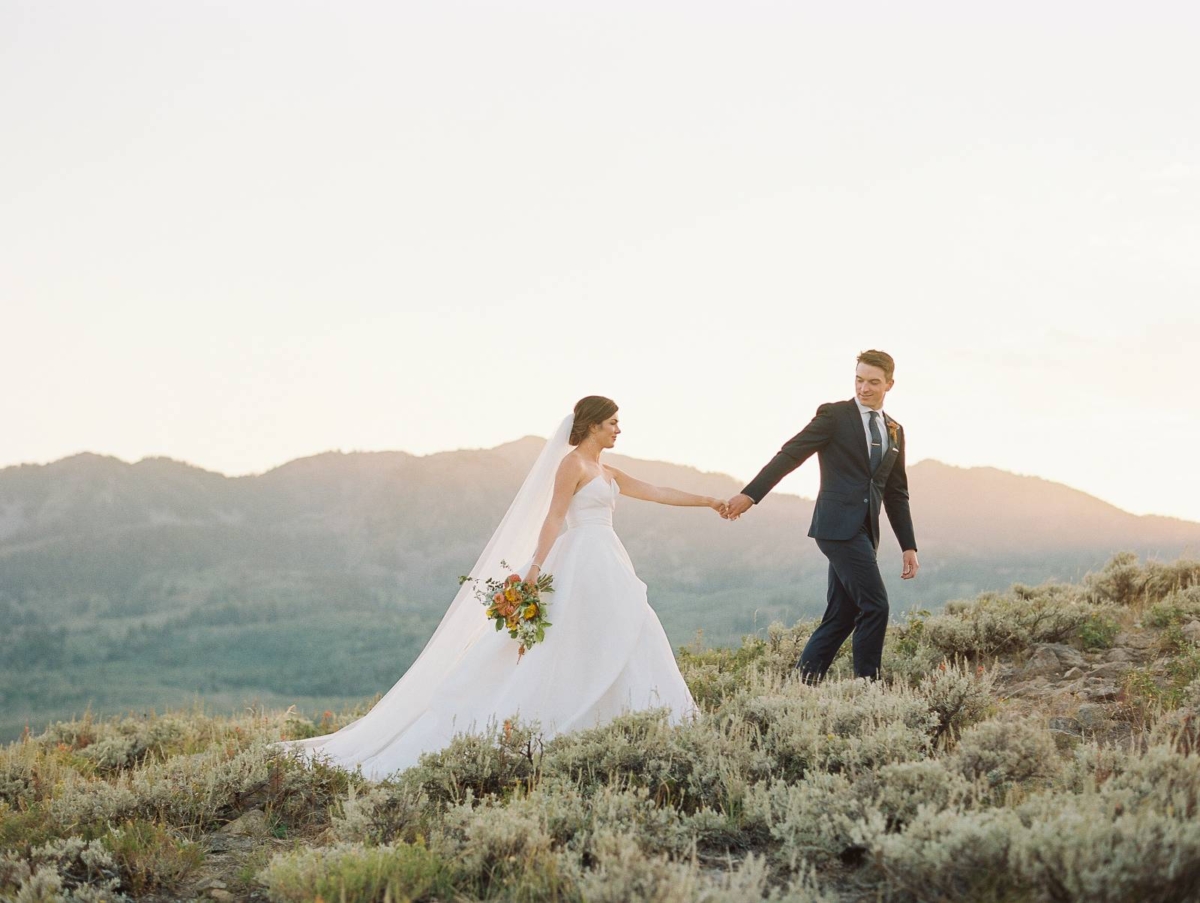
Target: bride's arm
[566,481]
[664,495]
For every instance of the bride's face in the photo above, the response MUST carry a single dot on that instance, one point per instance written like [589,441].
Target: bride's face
[606,433]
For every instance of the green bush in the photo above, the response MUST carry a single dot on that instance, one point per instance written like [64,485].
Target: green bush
[1173,609]
[1098,632]
[1004,623]
[490,763]
[1124,582]
[354,873]
[1007,751]
[149,857]
[68,870]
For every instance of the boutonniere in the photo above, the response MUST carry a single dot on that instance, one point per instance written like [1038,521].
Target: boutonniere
[893,429]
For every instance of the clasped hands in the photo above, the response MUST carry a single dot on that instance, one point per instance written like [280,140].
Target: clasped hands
[737,506]
[732,509]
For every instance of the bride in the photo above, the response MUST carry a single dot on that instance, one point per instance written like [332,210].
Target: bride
[605,654]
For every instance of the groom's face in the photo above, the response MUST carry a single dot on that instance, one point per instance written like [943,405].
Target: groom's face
[870,385]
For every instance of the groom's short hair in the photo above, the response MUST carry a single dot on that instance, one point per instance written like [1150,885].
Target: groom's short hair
[880,359]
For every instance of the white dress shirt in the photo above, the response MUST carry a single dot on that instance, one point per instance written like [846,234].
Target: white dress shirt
[866,421]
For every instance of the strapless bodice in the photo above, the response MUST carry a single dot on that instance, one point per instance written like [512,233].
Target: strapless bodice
[593,504]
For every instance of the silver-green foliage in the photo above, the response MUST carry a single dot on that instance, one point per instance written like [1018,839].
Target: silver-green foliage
[69,870]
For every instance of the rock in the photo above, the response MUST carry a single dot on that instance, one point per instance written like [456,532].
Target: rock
[1035,687]
[1073,674]
[1109,670]
[1091,716]
[1053,658]
[1135,640]
[1043,661]
[1067,657]
[211,884]
[221,895]
[1191,632]
[1119,654]
[215,844]
[252,823]
[1099,691]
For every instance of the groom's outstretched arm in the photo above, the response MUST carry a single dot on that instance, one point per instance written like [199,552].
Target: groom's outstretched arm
[795,452]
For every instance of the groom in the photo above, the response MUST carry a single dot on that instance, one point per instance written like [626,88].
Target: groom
[861,452]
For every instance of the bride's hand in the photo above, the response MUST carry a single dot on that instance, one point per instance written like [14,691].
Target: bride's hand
[719,506]
[532,574]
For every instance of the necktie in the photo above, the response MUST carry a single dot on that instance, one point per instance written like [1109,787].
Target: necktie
[876,442]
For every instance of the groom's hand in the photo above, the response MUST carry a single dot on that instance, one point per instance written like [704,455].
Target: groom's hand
[911,565]
[737,506]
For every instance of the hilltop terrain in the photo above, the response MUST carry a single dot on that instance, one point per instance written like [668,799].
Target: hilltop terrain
[1033,746]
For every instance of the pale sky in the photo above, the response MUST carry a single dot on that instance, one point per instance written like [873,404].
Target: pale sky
[239,233]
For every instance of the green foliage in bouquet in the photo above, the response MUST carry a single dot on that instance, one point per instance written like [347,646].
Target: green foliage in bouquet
[515,605]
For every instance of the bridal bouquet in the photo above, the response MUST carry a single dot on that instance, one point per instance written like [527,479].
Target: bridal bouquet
[516,605]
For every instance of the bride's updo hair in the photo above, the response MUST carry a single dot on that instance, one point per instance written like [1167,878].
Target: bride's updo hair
[593,409]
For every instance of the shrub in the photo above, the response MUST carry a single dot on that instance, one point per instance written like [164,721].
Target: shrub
[1124,582]
[356,874]
[847,725]
[624,872]
[479,765]
[1089,848]
[810,820]
[17,782]
[957,695]
[124,743]
[1002,623]
[1175,608]
[1159,780]
[1098,632]
[149,857]
[496,848]
[1001,753]
[944,855]
[707,762]
[199,792]
[900,791]
[1134,839]
[69,869]
[380,815]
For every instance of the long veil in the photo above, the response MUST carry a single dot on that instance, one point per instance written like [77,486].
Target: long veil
[514,541]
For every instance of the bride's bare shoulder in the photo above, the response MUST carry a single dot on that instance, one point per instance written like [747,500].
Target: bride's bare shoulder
[571,466]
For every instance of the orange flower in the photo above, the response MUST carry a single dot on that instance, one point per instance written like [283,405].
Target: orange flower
[531,611]
[512,578]
[498,598]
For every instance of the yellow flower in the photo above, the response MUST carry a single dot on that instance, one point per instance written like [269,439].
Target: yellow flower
[531,611]
[511,594]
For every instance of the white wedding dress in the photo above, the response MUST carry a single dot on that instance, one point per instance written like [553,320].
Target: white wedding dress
[606,652]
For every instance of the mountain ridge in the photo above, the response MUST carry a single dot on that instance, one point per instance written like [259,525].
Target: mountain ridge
[317,582]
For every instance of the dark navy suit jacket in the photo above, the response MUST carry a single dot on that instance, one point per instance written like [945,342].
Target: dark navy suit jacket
[850,494]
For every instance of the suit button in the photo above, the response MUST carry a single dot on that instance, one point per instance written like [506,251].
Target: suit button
[865,501]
